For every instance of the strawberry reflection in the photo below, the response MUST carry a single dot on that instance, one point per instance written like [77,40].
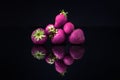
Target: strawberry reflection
[59,56]
[76,52]
[60,67]
[38,52]
[59,51]
[50,59]
[68,60]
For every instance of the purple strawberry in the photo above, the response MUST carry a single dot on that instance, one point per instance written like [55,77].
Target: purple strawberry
[76,52]
[59,37]
[77,37]
[50,59]
[39,36]
[60,19]
[68,27]
[68,60]
[50,29]
[58,51]
[60,67]
[39,52]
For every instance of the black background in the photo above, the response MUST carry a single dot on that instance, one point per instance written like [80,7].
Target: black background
[98,18]
[84,12]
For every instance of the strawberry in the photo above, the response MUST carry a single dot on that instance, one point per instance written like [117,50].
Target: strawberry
[59,37]
[60,19]
[68,28]
[77,37]
[39,36]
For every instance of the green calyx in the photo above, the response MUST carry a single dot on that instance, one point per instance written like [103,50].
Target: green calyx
[55,31]
[39,55]
[52,59]
[52,29]
[64,13]
[39,34]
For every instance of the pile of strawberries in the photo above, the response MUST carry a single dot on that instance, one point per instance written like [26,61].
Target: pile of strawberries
[58,31]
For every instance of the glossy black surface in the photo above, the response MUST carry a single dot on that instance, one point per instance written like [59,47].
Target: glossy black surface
[100,60]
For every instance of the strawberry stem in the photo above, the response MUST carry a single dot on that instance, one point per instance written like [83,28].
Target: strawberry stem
[63,12]
[52,29]
[55,31]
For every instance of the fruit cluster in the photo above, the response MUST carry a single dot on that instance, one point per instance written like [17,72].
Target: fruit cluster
[57,32]
[58,56]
